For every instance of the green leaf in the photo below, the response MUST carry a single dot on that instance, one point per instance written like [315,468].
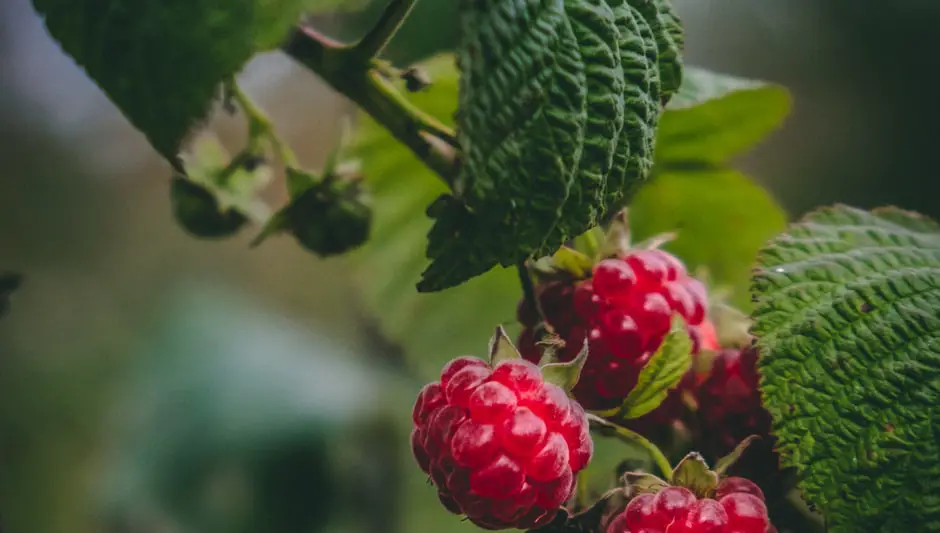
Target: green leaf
[848,320]
[715,116]
[693,473]
[430,328]
[661,373]
[643,483]
[559,103]
[721,219]
[172,54]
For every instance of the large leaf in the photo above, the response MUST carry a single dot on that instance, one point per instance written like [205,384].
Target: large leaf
[161,62]
[848,316]
[431,328]
[721,217]
[715,116]
[558,104]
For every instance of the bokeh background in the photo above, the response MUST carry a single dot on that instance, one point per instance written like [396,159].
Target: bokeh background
[151,382]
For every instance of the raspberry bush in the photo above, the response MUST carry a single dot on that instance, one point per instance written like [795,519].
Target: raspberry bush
[549,155]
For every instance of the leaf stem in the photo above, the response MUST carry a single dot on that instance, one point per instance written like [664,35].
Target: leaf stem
[361,80]
[609,429]
[374,42]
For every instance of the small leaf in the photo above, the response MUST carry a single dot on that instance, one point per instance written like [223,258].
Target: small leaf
[566,375]
[726,462]
[661,373]
[572,261]
[693,473]
[501,348]
[173,54]
[643,483]
[848,319]
[715,116]
[9,282]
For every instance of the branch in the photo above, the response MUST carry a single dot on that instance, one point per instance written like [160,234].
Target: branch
[360,80]
[378,38]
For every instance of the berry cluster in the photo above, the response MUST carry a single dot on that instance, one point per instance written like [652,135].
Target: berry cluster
[625,311]
[501,445]
[738,507]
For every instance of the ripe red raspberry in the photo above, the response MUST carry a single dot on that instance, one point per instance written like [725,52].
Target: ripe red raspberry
[625,311]
[678,510]
[501,445]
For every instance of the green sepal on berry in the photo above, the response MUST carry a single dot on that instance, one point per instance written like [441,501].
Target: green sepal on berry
[328,215]
[692,473]
[562,374]
[217,195]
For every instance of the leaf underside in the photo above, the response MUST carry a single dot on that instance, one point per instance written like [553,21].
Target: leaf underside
[559,102]
[161,62]
[848,316]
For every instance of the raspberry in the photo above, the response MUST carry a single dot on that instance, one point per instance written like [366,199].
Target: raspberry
[678,510]
[501,445]
[624,311]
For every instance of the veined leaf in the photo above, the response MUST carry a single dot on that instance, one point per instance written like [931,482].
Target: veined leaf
[161,62]
[558,102]
[661,373]
[848,317]
[715,116]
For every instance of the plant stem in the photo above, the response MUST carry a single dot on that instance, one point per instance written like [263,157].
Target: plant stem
[379,36]
[360,80]
[260,127]
[609,429]
[528,292]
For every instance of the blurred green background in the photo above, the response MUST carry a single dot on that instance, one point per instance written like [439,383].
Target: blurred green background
[150,382]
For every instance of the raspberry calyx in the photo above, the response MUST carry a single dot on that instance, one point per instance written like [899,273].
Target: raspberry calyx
[696,501]
[501,441]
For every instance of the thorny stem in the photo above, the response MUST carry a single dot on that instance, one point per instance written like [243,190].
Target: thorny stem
[360,79]
[384,30]
[609,429]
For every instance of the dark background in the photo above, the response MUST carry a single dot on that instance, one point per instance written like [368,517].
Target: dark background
[142,371]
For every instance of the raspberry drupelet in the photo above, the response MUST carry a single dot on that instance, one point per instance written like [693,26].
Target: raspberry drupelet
[625,310]
[738,507]
[500,444]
